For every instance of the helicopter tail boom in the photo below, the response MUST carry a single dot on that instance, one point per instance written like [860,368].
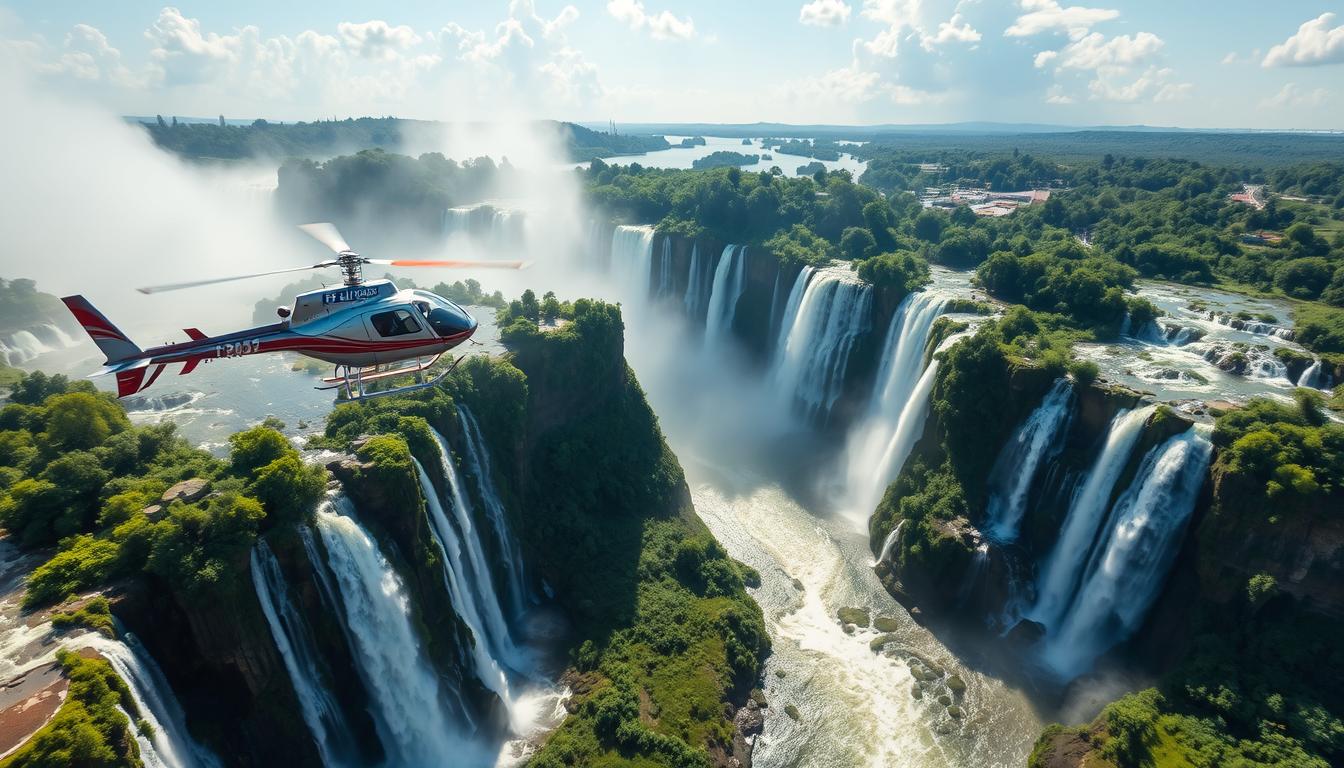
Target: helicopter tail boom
[116,345]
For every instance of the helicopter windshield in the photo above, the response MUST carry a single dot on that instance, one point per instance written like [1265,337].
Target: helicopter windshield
[445,317]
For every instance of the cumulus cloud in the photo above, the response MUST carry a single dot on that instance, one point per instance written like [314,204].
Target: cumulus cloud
[661,26]
[1290,95]
[1049,16]
[1315,43]
[377,39]
[824,13]
[1095,51]
[953,30]
[1114,84]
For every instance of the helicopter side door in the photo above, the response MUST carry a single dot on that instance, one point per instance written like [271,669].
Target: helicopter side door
[397,324]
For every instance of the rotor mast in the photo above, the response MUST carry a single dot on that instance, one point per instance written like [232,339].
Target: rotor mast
[351,266]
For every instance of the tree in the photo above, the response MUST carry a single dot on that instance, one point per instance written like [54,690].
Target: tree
[1304,278]
[929,225]
[221,121]
[81,420]
[254,448]
[856,243]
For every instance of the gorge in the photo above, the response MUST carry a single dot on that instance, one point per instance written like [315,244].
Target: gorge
[752,501]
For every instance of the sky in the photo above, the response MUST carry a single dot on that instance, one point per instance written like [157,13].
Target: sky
[1187,63]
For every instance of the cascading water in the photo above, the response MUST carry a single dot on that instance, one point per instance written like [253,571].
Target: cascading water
[836,308]
[632,261]
[665,279]
[729,282]
[477,455]
[458,580]
[479,577]
[694,300]
[1314,376]
[165,744]
[897,409]
[1064,567]
[791,310]
[297,647]
[407,700]
[889,543]
[1034,442]
[1134,554]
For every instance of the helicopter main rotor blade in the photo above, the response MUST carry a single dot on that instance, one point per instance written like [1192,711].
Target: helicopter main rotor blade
[452,263]
[212,281]
[326,233]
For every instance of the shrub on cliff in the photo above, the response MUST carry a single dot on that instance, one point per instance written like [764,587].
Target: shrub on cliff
[1292,453]
[901,271]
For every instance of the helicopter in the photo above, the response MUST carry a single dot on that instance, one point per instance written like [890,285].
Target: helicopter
[368,329]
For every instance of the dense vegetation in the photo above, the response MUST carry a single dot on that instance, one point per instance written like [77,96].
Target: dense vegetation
[90,728]
[1294,456]
[724,159]
[76,474]
[323,138]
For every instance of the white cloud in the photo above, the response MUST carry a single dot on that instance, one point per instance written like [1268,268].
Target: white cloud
[1290,95]
[1055,95]
[1049,16]
[848,85]
[377,39]
[954,29]
[1315,43]
[1095,51]
[661,26]
[824,13]
[1113,84]
[183,54]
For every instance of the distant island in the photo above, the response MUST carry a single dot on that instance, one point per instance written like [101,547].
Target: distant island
[692,141]
[223,140]
[725,159]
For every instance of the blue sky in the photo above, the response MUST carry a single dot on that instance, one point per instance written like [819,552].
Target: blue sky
[1193,63]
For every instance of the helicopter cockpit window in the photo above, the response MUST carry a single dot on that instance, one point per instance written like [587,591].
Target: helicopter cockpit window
[398,322]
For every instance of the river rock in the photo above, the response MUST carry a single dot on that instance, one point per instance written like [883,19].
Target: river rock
[886,624]
[859,617]
[793,712]
[955,684]
[187,491]
[945,700]
[1026,632]
[954,711]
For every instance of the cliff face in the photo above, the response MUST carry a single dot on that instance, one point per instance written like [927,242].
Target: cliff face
[219,657]
[1301,547]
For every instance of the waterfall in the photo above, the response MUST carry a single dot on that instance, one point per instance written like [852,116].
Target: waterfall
[294,640]
[729,281]
[665,280]
[632,261]
[791,309]
[406,697]
[1137,551]
[895,416]
[889,543]
[1087,512]
[1314,376]
[1036,440]
[478,463]
[835,310]
[22,347]
[168,745]
[695,289]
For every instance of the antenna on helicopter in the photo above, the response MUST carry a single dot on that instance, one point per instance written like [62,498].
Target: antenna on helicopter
[347,260]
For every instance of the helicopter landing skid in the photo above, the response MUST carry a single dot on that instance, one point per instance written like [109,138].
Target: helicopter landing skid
[351,380]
